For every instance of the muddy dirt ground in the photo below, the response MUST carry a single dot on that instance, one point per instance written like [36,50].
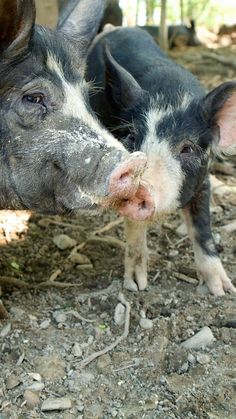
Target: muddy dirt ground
[45,291]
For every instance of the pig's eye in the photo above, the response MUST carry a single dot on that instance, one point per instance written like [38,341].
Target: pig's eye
[187,149]
[37,99]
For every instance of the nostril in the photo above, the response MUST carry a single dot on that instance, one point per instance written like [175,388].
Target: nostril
[143,205]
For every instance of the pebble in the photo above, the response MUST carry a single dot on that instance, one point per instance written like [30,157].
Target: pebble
[35,376]
[76,350]
[59,316]
[181,230]
[173,253]
[5,330]
[45,324]
[184,368]
[31,398]
[80,259]
[56,404]
[191,359]
[80,407]
[146,323]
[38,386]
[62,241]
[201,339]
[203,359]
[119,315]
[12,382]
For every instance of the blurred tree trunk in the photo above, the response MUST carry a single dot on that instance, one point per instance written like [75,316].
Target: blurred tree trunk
[182,11]
[163,27]
[150,7]
[137,11]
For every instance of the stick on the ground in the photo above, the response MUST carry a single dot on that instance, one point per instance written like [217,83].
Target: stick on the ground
[10,281]
[185,278]
[108,226]
[109,348]
[94,294]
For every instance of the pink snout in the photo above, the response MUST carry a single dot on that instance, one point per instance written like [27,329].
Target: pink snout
[127,193]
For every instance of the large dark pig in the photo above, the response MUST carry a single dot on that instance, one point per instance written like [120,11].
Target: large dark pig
[178,35]
[54,154]
[156,106]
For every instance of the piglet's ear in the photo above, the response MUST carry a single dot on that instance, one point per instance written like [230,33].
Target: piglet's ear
[120,84]
[17,18]
[220,108]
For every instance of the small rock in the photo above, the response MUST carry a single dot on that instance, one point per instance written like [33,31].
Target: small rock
[62,241]
[119,315]
[80,407]
[146,323]
[12,382]
[56,404]
[201,339]
[181,230]
[79,259]
[163,380]
[173,253]
[35,376]
[184,368]
[191,359]
[5,330]
[217,238]
[45,324]
[203,359]
[32,399]
[38,386]
[76,350]
[59,316]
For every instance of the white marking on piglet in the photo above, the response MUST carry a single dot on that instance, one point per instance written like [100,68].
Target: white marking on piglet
[74,105]
[163,170]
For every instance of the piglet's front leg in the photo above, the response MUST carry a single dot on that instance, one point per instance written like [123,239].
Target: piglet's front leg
[135,277]
[208,263]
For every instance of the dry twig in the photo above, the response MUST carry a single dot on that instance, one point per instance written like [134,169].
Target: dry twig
[110,347]
[185,278]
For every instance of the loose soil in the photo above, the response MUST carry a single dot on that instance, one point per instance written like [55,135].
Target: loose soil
[148,375]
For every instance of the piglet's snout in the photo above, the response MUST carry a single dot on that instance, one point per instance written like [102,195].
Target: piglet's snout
[124,180]
[140,206]
[131,196]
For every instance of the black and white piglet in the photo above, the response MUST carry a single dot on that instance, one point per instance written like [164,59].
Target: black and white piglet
[158,107]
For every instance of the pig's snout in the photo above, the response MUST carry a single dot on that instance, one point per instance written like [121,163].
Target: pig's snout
[124,180]
[131,197]
[140,206]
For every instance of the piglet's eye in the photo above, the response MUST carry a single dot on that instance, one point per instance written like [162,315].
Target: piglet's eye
[187,149]
[35,99]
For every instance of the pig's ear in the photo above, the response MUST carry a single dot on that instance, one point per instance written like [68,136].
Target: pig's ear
[80,20]
[220,109]
[123,88]
[17,19]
